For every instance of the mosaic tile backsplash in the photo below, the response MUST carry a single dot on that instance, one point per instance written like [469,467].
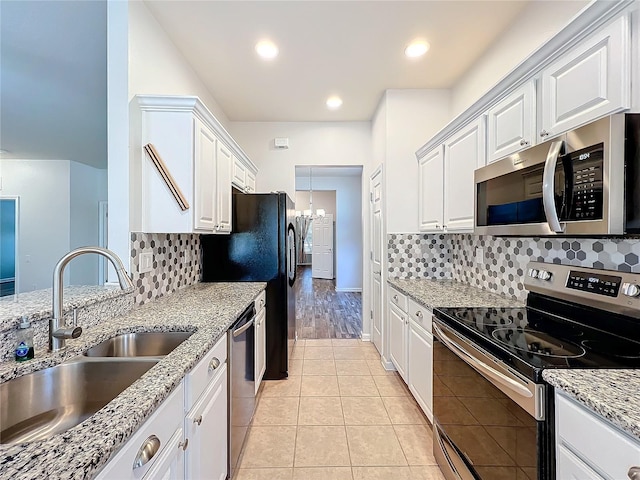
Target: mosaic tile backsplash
[504,260]
[415,255]
[177,263]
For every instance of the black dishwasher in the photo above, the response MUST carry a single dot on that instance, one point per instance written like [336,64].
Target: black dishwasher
[242,399]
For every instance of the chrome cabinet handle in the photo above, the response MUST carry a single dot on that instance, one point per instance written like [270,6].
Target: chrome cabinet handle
[213,364]
[634,473]
[395,298]
[261,303]
[198,420]
[184,445]
[544,133]
[419,314]
[147,451]
[376,273]
[523,143]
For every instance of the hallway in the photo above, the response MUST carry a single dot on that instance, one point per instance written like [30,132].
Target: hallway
[339,416]
[321,312]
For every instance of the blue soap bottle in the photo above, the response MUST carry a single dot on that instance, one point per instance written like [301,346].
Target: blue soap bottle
[24,343]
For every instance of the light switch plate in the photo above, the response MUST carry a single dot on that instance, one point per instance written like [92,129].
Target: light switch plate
[146,262]
[479,255]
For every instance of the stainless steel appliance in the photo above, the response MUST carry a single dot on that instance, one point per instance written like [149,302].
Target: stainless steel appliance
[580,183]
[242,400]
[493,412]
[261,248]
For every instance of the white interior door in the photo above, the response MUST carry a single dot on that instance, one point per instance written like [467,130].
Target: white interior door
[376,258]
[322,249]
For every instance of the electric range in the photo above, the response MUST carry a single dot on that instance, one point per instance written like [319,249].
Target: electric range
[493,412]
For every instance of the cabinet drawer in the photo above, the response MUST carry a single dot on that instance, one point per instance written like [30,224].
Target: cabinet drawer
[164,422]
[198,379]
[595,441]
[398,299]
[261,301]
[420,315]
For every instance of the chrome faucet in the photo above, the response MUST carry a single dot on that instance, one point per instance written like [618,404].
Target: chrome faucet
[58,331]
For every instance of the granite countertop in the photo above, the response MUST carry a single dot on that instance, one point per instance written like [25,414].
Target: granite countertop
[207,309]
[611,393]
[449,293]
[38,303]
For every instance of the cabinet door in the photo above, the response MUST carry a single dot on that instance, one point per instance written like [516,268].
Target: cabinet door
[398,339]
[431,174]
[463,153]
[570,467]
[251,182]
[170,464]
[204,178]
[223,197]
[511,123]
[239,177]
[260,348]
[420,367]
[590,81]
[206,429]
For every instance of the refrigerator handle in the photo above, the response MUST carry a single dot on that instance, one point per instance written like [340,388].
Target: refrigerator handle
[291,254]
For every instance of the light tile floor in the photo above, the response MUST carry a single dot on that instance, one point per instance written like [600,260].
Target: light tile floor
[339,416]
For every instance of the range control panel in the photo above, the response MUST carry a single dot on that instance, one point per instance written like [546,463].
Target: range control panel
[593,282]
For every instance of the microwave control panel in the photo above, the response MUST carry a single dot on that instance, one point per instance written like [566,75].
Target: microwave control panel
[587,183]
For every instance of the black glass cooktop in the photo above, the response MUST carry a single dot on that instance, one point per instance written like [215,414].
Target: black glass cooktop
[531,340]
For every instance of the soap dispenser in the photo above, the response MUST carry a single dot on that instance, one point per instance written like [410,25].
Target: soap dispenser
[24,342]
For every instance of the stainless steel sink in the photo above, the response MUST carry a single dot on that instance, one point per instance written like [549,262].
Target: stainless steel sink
[50,401]
[147,344]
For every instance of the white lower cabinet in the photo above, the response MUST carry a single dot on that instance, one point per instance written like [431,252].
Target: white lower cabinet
[590,447]
[260,346]
[206,428]
[157,435]
[420,367]
[191,446]
[398,327]
[411,347]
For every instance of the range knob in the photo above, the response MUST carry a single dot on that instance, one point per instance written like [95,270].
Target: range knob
[630,289]
[533,273]
[544,275]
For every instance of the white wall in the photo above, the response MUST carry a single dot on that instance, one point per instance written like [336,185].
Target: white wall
[310,143]
[348,248]
[88,187]
[412,116]
[43,188]
[157,67]
[538,22]
[325,199]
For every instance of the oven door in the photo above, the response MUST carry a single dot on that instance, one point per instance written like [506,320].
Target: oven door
[488,420]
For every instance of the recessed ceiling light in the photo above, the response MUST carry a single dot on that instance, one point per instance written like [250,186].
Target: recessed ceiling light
[333,103]
[416,49]
[267,49]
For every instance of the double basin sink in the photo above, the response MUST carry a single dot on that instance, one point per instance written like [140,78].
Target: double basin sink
[50,401]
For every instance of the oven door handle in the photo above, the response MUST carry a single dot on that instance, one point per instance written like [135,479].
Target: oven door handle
[511,383]
[243,328]
[548,187]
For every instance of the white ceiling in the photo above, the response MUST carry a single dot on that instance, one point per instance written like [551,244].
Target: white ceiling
[353,49]
[53,73]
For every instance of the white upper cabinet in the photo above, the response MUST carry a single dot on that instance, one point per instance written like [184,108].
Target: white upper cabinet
[204,178]
[196,151]
[511,123]
[243,176]
[223,195]
[431,191]
[588,82]
[463,153]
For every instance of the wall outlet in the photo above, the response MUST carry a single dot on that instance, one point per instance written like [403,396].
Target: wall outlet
[479,255]
[146,262]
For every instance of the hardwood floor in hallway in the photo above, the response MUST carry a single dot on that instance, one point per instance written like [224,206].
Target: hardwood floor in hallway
[321,312]
[339,416]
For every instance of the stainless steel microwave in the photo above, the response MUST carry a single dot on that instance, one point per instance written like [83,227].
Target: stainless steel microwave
[584,182]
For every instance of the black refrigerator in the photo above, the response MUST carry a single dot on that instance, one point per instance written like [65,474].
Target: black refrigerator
[261,248]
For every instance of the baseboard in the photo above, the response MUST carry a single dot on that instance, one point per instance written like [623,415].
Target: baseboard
[366,337]
[354,290]
[388,364]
